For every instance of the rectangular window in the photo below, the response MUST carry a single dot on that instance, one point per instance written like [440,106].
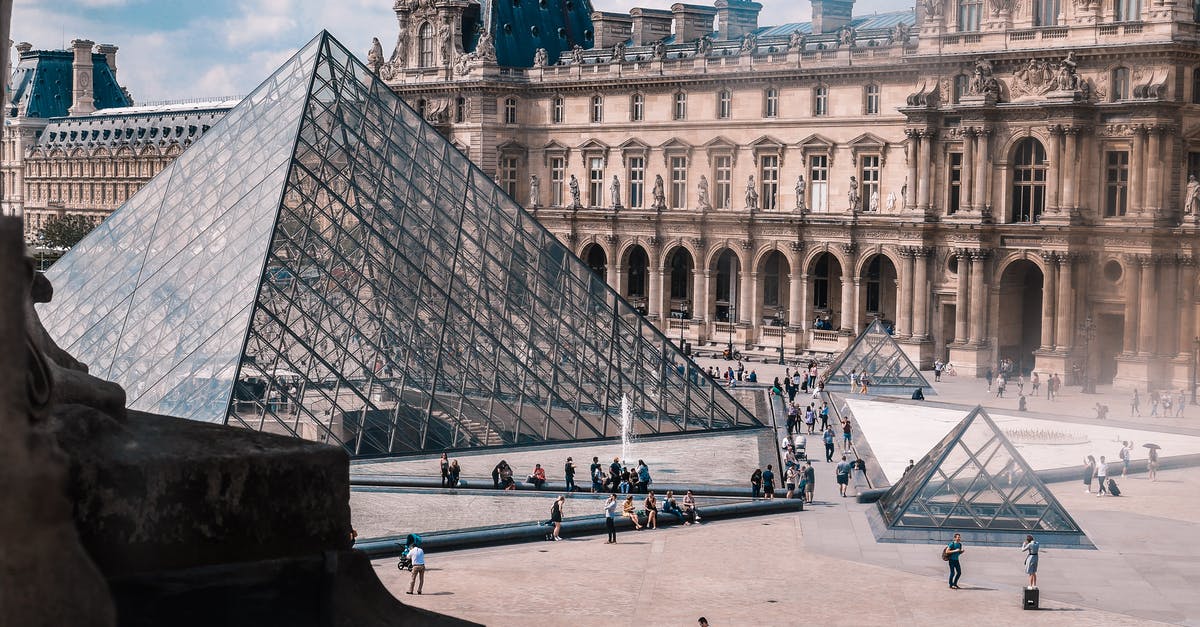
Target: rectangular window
[969,12]
[769,177]
[723,177]
[637,181]
[954,201]
[508,175]
[818,179]
[724,104]
[596,182]
[771,103]
[678,182]
[597,109]
[1116,183]
[821,101]
[1127,10]
[680,109]
[868,175]
[556,111]
[1045,12]
[558,172]
[872,100]
[510,111]
[637,109]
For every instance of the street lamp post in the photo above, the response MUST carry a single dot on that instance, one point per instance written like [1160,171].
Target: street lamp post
[729,321]
[782,318]
[683,317]
[1087,332]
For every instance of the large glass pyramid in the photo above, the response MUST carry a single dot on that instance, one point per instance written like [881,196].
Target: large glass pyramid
[323,263]
[876,352]
[974,480]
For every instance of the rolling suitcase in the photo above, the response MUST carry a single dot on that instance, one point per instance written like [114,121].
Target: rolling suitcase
[1113,489]
[1031,599]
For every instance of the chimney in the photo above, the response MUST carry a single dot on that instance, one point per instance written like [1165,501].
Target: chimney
[650,25]
[611,28]
[82,102]
[110,57]
[736,18]
[829,16]
[692,21]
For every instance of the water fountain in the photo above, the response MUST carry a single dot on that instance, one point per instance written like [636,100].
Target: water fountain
[626,427]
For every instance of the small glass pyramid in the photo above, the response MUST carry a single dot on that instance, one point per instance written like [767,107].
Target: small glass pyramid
[324,264]
[876,352]
[974,480]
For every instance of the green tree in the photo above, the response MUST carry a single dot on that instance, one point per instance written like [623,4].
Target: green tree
[64,231]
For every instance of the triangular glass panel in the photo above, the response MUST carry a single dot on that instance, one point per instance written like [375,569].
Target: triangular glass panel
[323,264]
[876,353]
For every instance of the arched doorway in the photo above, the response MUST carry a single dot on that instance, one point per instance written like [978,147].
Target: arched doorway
[679,283]
[773,273]
[1019,326]
[637,275]
[825,276]
[596,259]
[727,268]
[879,290]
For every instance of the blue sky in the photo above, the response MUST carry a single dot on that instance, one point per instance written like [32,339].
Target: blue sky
[173,49]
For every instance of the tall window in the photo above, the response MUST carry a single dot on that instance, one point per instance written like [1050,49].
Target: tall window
[821,283]
[558,171]
[508,175]
[1045,12]
[724,104]
[425,45]
[596,182]
[874,274]
[597,108]
[969,12]
[1196,75]
[557,108]
[1120,84]
[723,179]
[1116,183]
[1029,181]
[818,182]
[637,108]
[679,111]
[962,83]
[871,99]
[769,178]
[637,181]
[771,103]
[869,182]
[639,262]
[460,110]
[678,182]
[510,110]
[821,100]
[954,201]
[1127,10]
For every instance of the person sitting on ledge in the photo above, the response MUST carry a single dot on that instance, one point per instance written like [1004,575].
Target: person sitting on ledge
[671,506]
[918,395]
[628,512]
[538,478]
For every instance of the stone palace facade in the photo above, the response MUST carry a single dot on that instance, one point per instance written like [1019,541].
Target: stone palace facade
[995,180]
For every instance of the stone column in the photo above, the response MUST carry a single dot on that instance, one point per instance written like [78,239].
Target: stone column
[904,294]
[1065,315]
[745,291]
[797,312]
[1146,308]
[926,166]
[706,297]
[910,199]
[1072,153]
[920,294]
[848,315]
[1168,286]
[616,278]
[981,198]
[1133,274]
[1049,294]
[978,297]
[654,305]
[962,311]
[755,305]
[805,304]
[699,296]
[1136,168]
[1054,176]
[1187,309]
[858,304]
[1150,200]
[966,189]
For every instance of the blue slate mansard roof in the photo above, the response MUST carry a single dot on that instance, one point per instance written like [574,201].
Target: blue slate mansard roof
[42,82]
[520,28]
[862,22]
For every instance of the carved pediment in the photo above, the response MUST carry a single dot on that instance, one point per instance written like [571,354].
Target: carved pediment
[869,143]
[556,149]
[767,145]
[817,144]
[511,147]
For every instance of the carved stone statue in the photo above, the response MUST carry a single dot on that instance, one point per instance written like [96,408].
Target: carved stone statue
[904,192]
[702,200]
[446,36]
[751,194]
[795,41]
[618,53]
[573,186]
[801,188]
[847,36]
[1035,79]
[463,64]
[891,201]
[874,202]
[535,191]
[1191,204]
[577,55]
[614,192]
[749,44]
[902,33]
[983,82]
[541,58]
[658,196]
[852,194]
[659,50]
[703,46]
[1067,79]
[485,48]
[933,8]
[375,55]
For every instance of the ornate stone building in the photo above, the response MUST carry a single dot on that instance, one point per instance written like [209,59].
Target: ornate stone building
[999,180]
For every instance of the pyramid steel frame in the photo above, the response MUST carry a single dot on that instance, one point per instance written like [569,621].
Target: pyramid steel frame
[323,263]
[876,352]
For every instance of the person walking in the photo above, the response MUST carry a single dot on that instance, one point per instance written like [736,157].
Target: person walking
[1031,547]
[951,554]
[1180,401]
[846,435]
[810,476]
[1152,464]
[1034,384]
[1101,477]
[1134,404]
[756,479]
[597,473]
[989,375]
[824,416]
[610,512]
[1089,471]
[828,439]
[937,371]
[417,555]
[569,474]
[556,516]
[768,478]
[1124,456]
[445,464]
[843,475]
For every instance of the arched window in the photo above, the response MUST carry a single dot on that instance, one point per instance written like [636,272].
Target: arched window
[679,111]
[637,108]
[969,13]
[425,45]
[597,108]
[821,101]
[557,107]
[1120,84]
[871,99]
[1029,181]
[771,103]
[510,110]
[724,104]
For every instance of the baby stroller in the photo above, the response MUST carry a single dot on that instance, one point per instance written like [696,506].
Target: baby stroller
[405,562]
[801,446]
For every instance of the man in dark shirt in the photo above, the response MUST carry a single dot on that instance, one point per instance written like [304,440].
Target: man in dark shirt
[809,476]
[953,551]
[843,475]
[595,474]
[569,473]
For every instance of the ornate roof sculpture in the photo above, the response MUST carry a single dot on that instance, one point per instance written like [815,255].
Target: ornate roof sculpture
[876,353]
[323,263]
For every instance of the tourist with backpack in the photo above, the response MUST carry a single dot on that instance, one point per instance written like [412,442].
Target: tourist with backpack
[951,554]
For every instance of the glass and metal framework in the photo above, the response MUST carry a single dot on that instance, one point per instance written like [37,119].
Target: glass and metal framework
[324,264]
[975,480]
[878,355]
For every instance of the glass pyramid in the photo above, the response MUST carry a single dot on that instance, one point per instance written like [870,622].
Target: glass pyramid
[324,264]
[876,352]
[974,480]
